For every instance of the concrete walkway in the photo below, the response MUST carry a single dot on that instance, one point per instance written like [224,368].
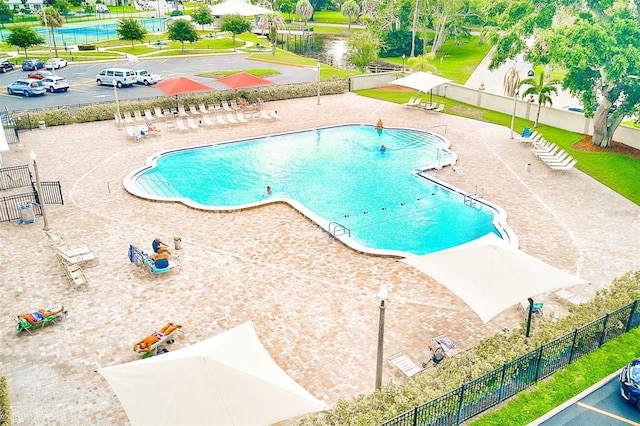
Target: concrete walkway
[313,300]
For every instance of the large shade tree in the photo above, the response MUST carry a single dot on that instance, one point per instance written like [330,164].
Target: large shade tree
[363,49]
[270,23]
[131,29]
[23,37]
[595,41]
[235,24]
[50,18]
[202,15]
[181,30]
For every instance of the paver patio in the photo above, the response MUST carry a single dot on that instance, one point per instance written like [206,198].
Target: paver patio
[312,300]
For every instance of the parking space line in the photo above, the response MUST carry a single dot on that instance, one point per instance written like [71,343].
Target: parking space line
[613,416]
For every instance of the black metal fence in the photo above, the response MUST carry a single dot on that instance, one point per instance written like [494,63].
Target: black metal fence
[9,126]
[502,383]
[15,177]
[10,205]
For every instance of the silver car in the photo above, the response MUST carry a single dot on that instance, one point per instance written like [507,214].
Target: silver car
[26,87]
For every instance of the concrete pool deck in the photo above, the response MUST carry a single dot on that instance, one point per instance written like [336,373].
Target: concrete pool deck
[312,300]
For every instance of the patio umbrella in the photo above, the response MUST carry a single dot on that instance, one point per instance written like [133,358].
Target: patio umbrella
[181,85]
[229,379]
[242,80]
[237,7]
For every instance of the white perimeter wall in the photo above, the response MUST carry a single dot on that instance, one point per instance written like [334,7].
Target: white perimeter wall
[560,118]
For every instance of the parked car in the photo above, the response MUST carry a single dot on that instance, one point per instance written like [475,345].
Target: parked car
[32,64]
[26,87]
[630,383]
[6,65]
[55,83]
[146,78]
[55,63]
[39,75]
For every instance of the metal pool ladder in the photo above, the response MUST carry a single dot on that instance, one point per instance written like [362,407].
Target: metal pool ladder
[336,229]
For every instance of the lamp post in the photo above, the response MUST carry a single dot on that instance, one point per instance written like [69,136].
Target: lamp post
[530,300]
[513,116]
[382,295]
[115,93]
[403,56]
[318,84]
[40,198]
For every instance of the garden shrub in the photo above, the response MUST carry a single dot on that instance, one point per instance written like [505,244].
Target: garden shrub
[107,110]
[5,406]
[86,47]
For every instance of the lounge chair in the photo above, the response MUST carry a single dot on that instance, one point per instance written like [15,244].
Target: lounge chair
[75,274]
[527,135]
[180,125]
[203,109]
[207,121]
[410,102]
[193,110]
[167,113]
[550,150]
[76,256]
[192,124]
[158,112]
[265,114]
[52,313]
[234,105]
[429,105]
[273,113]
[212,108]
[240,117]
[564,168]
[534,138]
[561,162]
[132,132]
[128,118]
[416,102]
[161,339]
[231,119]
[440,108]
[147,115]
[554,158]
[182,112]
[404,364]
[142,259]
[220,120]
[138,116]
[226,106]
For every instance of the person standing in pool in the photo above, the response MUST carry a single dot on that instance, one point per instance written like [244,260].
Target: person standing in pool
[379,127]
[267,191]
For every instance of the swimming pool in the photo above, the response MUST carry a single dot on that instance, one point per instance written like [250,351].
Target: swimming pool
[374,201]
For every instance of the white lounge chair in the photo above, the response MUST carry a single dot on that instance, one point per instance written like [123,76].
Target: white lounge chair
[75,274]
[273,113]
[413,102]
[147,115]
[158,112]
[554,158]
[220,120]
[128,118]
[564,168]
[180,125]
[410,102]
[561,162]
[192,124]
[429,105]
[207,121]
[182,112]
[73,257]
[138,116]
[440,108]
[240,117]
[193,110]
[226,106]
[535,137]
[203,109]
[550,150]
[231,119]
[404,364]
[265,114]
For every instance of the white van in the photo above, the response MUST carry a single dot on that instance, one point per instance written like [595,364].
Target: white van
[102,8]
[121,76]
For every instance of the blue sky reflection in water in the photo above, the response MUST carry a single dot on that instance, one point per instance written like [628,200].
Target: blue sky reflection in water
[341,175]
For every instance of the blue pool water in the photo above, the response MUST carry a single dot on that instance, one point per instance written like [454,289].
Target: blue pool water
[339,175]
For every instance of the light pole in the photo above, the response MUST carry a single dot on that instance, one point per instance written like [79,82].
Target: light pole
[318,84]
[513,116]
[530,300]
[40,199]
[382,295]
[115,92]
[403,56]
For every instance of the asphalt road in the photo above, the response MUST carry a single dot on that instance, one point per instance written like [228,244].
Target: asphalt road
[84,90]
[602,407]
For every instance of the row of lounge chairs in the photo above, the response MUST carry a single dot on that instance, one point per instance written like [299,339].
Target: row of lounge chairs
[553,156]
[73,260]
[429,106]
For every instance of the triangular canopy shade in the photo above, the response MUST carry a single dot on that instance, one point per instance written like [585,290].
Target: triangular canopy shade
[490,276]
[422,81]
[237,7]
[241,80]
[181,85]
[229,379]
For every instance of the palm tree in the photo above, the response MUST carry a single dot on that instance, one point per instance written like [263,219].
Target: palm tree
[304,9]
[350,9]
[50,18]
[542,89]
[270,23]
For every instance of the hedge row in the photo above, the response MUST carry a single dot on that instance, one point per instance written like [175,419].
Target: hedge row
[106,111]
[394,399]
[5,406]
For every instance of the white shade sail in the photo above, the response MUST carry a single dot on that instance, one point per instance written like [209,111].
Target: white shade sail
[422,81]
[229,379]
[490,276]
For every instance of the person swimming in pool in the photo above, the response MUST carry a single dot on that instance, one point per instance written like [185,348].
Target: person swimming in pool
[267,191]
[383,148]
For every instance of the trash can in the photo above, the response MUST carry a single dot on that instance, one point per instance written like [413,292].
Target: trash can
[42,125]
[177,242]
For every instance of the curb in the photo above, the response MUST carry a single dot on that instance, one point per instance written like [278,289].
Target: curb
[575,399]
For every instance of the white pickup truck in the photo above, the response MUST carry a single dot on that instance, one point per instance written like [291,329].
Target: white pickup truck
[146,78]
